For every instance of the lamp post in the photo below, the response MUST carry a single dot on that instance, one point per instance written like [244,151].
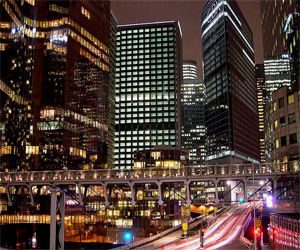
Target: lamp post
[254,207]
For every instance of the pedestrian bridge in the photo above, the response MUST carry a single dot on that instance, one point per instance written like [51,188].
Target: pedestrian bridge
[190,173]
[58,182]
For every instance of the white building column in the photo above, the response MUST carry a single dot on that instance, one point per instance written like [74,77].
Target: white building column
[62,220]
[52,240]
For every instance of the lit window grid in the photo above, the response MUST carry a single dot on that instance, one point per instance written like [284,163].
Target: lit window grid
[146,103]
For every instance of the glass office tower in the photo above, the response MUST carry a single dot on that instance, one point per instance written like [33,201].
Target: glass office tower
[189,69]
[228,57]
[261,98]
[193,131]
[277,73]
[149,72]
[56,85]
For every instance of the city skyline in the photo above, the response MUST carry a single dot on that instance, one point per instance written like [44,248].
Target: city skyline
[188,13]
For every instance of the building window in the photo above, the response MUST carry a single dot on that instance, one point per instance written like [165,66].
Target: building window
[277,143]
[292,118]
[282,121]
[283,141]
[291,98]
[276,124]
[85,13]
[293,138]
[274,106]
[281,102]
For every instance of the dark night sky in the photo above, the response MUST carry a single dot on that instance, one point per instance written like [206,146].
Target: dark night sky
[189,15]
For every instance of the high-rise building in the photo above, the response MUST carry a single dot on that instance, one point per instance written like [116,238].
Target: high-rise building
[282,129]
[149,72]
[261,98]
[56,84]
[193,132]
[231,110]
[277,73]
[189,69]
[280,29]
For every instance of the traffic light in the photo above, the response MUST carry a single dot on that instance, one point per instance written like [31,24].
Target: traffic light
[127,237]
[241,200]
[257,232]
[202,231]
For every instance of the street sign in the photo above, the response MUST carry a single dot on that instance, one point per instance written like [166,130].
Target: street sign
[258,223]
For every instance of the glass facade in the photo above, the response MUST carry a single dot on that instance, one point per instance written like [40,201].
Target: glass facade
[231,109]
[280,30]
[277,73]
[55,89]
[193,131]
[189,69]
[261,98]
[147,88]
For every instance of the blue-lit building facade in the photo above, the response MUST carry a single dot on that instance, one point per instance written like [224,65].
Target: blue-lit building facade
[149,72]
[231,109]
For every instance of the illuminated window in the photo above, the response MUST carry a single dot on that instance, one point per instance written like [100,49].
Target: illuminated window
[31,2]
[275,124]
[85,12]
[291,98]
[277,143]
[274,106]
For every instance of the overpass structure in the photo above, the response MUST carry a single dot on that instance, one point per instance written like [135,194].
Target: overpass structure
[58,181]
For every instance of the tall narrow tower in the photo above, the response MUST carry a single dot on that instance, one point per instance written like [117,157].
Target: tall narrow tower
[231,111]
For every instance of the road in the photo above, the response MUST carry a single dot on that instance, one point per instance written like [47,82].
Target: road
[223,232]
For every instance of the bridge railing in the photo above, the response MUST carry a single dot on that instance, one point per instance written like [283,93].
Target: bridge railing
[151,173]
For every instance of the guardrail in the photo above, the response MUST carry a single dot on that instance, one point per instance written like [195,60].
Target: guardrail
[284,231]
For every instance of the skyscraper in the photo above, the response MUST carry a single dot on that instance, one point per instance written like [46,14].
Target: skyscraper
[55,87]
[261,98]
[280,29]
[231,111]
[189,69]
[193,132]
[277,73]
[149,72]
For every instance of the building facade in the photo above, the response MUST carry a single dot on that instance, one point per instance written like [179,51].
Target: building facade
[193,131]
[277,73]
[55,89]
[189,69]
[261,101]
[149,72]
[231,108]
[280,29]
[282,128]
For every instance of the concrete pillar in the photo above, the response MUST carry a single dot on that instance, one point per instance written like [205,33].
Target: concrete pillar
[62,222]
[80,194]
[131,185]
[245,190]
[53,219]
[216,192]
[31,195]
[105,194]
[160,201]
[274,188]
[188,196]
[8,195]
